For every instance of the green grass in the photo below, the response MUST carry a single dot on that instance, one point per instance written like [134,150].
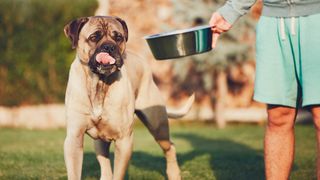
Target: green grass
[204,152]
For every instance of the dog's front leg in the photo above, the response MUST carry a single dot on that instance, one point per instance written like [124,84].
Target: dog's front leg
[123,151]
[73,153]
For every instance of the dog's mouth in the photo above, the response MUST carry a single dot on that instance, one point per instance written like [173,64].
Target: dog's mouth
[105,58]
[104,64]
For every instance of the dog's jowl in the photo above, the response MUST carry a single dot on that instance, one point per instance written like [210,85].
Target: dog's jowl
[107,85]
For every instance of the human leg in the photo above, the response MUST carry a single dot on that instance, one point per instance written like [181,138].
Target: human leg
[279,142]
[310,64]
[316,119]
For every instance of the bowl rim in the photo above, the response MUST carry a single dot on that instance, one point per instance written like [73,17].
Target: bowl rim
[176,32]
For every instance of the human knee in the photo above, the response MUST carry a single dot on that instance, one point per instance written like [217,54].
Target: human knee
[316,116]
[281,118]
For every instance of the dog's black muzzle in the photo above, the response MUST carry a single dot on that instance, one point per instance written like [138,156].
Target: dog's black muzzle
[105,70]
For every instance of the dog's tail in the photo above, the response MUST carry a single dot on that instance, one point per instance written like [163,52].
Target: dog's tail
[178,113]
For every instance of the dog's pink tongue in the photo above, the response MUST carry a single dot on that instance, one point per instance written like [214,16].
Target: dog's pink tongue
[105,58]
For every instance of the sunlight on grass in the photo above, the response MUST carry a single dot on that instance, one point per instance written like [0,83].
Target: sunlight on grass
[204,152]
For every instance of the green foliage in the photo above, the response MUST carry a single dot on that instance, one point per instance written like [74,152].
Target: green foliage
[204,152]
[35,54]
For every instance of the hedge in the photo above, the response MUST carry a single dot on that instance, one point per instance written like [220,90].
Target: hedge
[35,55]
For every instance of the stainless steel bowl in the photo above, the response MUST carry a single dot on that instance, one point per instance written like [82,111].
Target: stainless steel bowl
[180,43]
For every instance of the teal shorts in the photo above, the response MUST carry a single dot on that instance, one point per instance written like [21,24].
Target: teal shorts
[288,61]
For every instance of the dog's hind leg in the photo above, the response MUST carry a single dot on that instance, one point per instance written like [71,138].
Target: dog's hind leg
[102,153]
[151,109]
[156,120]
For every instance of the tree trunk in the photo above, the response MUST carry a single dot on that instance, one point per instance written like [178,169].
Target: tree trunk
[222,90]
[103,8]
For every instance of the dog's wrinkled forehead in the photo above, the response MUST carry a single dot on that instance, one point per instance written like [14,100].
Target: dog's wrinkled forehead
[106,24]
[88,25]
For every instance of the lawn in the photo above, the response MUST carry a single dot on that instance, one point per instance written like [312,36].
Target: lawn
[204,152]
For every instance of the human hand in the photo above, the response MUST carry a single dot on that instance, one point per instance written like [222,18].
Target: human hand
[218,25]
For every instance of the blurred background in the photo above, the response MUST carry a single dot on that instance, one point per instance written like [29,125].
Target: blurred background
[36,56]
[221,137]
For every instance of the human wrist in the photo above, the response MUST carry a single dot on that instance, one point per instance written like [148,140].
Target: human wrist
[229,14]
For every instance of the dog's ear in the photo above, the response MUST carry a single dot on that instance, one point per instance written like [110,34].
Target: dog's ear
[124,26]
[73,28]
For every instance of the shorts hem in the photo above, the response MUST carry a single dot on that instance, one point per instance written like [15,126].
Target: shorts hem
[274,101]
[311,103]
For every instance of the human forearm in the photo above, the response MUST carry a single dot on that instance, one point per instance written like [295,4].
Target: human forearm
[234,9]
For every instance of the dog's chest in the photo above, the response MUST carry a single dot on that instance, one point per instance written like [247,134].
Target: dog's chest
[109,119]
[110,126]
[104,130]
[103,124]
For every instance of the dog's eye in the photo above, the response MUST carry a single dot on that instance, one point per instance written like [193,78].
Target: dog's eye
[117,37]
[95,37]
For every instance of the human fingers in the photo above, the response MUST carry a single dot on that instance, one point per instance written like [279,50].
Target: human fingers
[215,37]
[218,23]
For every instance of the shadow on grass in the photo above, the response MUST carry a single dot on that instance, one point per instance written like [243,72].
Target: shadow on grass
[227,159]
[146,161]
[90,165]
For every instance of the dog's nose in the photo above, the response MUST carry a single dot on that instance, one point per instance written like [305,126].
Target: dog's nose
[109,48]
